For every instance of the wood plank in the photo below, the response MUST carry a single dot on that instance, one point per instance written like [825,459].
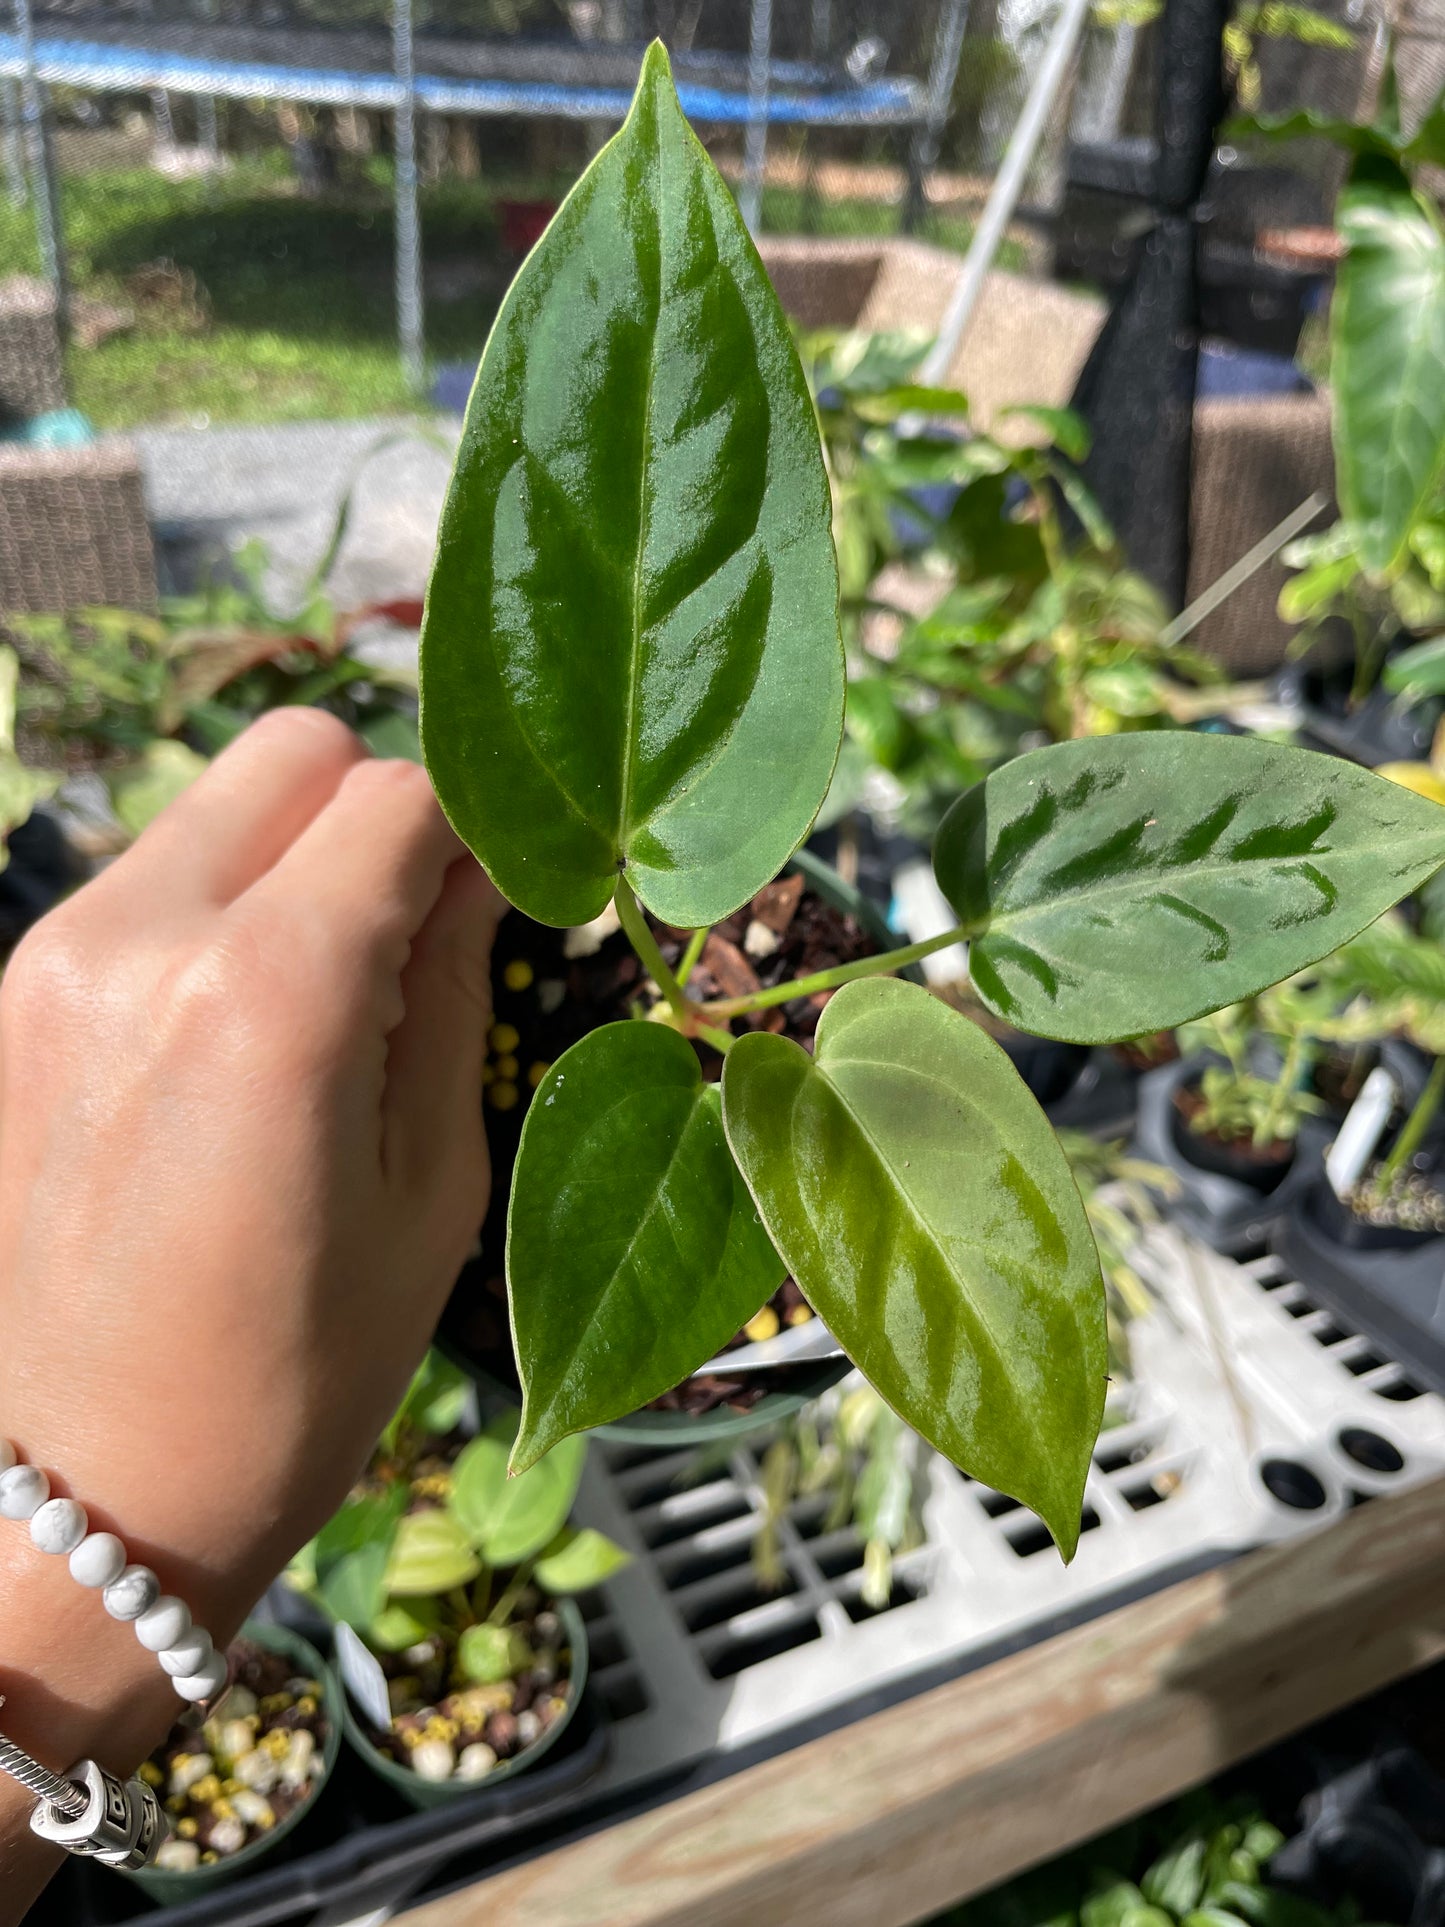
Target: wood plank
[896,1816]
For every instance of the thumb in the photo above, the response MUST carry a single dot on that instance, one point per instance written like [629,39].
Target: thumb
[432,1111]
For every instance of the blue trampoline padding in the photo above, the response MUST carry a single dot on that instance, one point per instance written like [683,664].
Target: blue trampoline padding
[103,67]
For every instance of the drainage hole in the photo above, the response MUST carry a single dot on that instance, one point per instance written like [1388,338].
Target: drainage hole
[1368,1449]
[1292,1484]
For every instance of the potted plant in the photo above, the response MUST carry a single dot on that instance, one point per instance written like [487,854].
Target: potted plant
[1374,1251]
[236,1787]
[1235,1115]
[632,690]
[1380,567]
[1121,1195]
[458,1581]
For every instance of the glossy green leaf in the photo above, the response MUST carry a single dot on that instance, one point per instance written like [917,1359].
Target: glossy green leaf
[631,652]
[633,1249]
[1068,432]
[1130,883]
[922,1202]
[396,1626]
[579,1560]
[431,1554]
[1419,671]
[1387,362]
[509,1519]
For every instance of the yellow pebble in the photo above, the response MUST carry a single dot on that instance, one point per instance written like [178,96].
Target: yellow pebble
[176,1803]
[507,1068]
[209,1857]
[503,1097]
[207,1789]
[518,974]
[487,1074]
[800,1314]
[151,1774]
[277,1744]
[763,1325]
[505,1037]
[306,1705]
[186,1829]
[536,1072]
[221,1809]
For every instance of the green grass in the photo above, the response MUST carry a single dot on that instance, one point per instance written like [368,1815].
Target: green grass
[298,319]
[786,210]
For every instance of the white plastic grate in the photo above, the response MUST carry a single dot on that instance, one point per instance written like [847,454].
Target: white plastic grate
[1231,1435]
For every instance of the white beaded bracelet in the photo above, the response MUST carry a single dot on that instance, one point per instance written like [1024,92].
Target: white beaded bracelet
[129,1593]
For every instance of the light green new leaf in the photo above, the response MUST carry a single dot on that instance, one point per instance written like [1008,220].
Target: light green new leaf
[1387,362]
[139,791]
[633,1249]
[487,1654]
[922,1202]
[631,653]
[512,1519]
[1417,671]
[1128,884]
[431,1555]
[396,1626]
[579,1560]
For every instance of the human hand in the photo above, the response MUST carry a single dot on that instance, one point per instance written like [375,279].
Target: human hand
[241,1161]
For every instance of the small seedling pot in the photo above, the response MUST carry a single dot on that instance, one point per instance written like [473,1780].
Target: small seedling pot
[1336,1221]
[1261,1169]
[425,1794]
[169,1887]
[1380,729]
[1233,1213]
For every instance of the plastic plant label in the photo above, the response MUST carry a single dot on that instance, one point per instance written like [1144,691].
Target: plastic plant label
[362,1676]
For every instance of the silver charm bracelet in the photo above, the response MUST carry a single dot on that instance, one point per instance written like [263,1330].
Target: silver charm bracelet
[118,1823]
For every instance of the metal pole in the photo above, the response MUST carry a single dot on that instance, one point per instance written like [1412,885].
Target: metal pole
[35,123]
[755,149]
[13,143]
[942,78]
[1008,185]
[410,316]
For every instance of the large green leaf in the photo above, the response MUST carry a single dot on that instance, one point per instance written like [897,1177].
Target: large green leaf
[925,1208]
[351,1553]
[509,1519]
[1130,883]
[633,1249]
[578,1561]
[1387,364]
[431,1555]
[631,653]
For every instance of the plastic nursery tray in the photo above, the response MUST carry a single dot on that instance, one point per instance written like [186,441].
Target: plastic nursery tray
[1230,1216]
[1397,1297]
[359,1839]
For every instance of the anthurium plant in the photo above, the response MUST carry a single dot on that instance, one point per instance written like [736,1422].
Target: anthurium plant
[632,692]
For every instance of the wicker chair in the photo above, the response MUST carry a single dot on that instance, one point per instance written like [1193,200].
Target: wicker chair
[73,529]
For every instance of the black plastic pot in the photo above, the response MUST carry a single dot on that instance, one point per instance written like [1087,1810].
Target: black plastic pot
[1232,1215]
[1372,1830]
[1225,1160]
[1380,730]
[1392,1291]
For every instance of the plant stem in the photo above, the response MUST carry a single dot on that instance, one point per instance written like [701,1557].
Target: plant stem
[1415,1127]
[690,956]
[1264,1131]
[883,966]
[722,1041]
[629,912]
[502,1611]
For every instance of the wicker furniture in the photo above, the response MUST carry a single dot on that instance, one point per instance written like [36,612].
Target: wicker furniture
[32,371]
[73,529]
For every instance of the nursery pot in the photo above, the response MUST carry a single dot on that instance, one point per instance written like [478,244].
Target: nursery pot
[169,1887]
[1263,1169]
[524,223]
[1334,1218]
[1380,729]
[424,1794]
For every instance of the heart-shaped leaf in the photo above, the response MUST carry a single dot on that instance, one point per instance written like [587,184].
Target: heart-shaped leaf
[924,1206]
[512,1519]
[633,1249]
[351,1554]
[579,1560]
[431,1554]
[634,604]
[1131,883]
[1387,360]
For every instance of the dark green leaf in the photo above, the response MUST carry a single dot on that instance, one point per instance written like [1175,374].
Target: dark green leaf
[352,1551]
[924,1206]
[578,1560]
[1306,123]
[1387,364]
[509,1519]
[1127,884]
[633,607]
[434,1402]
[633,1250]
